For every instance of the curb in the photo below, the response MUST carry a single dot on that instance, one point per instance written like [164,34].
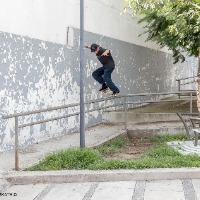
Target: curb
[72,176]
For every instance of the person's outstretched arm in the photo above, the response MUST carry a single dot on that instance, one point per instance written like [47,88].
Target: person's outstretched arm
[87,46]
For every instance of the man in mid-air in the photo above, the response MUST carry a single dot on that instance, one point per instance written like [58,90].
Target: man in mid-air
[103,74]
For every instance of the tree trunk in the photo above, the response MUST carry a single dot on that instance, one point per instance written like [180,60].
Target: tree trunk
[198,84]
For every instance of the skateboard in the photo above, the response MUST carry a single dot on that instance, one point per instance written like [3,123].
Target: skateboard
[109,92]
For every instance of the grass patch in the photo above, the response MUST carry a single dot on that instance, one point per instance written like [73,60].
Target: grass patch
[160,139]
[159,156]
[112,146]
[72,158]
[147,163]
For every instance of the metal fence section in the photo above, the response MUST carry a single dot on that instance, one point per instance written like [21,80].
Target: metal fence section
[125,103]
[187,128]
[185,82]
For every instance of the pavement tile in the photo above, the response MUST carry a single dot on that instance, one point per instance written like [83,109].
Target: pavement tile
[70,191]
[164,190]
[121,190]
[164,195]
[23,192]
[164,185]
[196,185]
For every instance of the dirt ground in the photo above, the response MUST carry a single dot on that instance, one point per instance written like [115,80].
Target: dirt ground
[135,148]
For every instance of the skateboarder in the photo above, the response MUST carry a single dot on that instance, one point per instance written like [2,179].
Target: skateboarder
[103,74]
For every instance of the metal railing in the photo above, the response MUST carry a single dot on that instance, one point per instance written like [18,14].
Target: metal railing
[182,82]
[196,129]
[125,104]
[185,122]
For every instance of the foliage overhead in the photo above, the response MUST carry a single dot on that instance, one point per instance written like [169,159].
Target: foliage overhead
[171,23]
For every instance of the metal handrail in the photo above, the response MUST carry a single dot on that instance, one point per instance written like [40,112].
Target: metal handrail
[137,102]
[187,83]
[66,116]
[57,108]
[89,102]
[160,93]
[125,104]
[185,78]
[182,79]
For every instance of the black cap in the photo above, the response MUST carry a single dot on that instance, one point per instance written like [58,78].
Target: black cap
[94,47]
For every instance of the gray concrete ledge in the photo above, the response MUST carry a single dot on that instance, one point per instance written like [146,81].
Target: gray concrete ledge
[118,116]
[70,176]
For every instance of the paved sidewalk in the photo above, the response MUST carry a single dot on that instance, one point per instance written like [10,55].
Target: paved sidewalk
[122,190]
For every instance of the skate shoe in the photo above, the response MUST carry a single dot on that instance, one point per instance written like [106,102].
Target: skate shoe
[104,87]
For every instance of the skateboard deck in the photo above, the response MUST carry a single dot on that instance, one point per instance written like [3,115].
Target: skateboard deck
[109,92]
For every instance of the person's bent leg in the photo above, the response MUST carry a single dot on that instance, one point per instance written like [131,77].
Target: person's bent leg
[108,80]
[97,75]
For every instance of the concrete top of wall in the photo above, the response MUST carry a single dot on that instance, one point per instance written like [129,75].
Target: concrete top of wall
[48,20]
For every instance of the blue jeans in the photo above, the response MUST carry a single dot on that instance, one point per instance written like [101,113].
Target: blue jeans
[103,75]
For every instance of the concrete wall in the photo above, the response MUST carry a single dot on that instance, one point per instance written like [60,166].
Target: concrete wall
[39,70]
[48,20]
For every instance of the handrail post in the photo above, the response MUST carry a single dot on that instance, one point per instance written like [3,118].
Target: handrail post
[185,125]
[190,102]
[16,145]
[125,113]
[179,88]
